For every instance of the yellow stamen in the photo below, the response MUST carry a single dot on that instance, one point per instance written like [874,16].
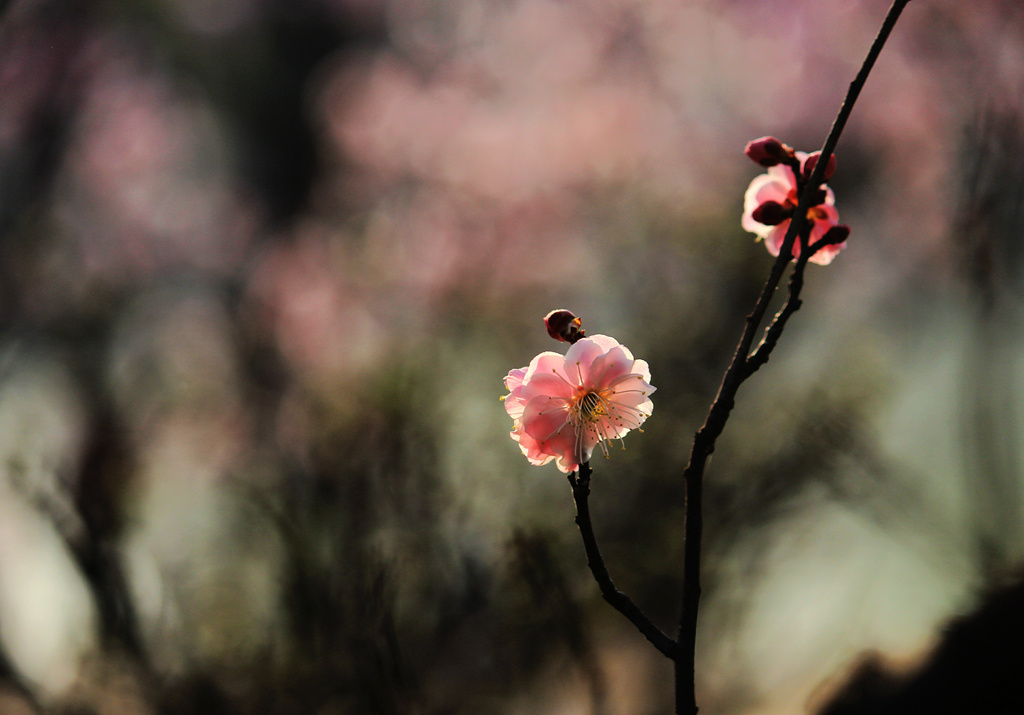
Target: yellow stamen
[591,407]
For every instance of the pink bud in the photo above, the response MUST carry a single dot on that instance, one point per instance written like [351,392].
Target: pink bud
[766,151]
[564,325]
[771,213]
[812,160]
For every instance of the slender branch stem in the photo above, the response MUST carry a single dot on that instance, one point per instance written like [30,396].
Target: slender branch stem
[744,363]
[793,302]
[742,366]
[796,282]
[580,482]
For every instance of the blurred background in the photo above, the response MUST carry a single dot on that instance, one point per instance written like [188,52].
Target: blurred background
[263,267]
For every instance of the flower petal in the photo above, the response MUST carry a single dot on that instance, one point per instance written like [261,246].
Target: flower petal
[605,342]
[515,378]
[547,421]
[514,403]
[629,411]
[546,362]
[773,239]
[582,354]
[640,368]
[608,367]
[588,437]
[762,188]
[531,449]
[547,384]
[569,463]
[824,256]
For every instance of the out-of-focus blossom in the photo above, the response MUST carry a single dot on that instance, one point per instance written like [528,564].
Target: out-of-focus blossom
[562,407]
[321,326]
[768,207]
[147,186]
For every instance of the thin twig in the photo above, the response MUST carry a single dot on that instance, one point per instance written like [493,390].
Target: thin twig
[580,482]
[796,282]
[774,331]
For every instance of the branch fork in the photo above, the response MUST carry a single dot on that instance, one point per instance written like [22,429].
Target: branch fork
[745,362]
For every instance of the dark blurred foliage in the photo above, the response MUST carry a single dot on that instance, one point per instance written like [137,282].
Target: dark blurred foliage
[975,668]
[263,264]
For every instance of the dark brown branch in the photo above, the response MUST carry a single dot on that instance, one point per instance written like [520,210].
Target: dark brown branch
[742,366]
[793,303]
[580,482]
[774,331]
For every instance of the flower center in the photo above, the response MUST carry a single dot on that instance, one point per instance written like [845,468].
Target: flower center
[591,407]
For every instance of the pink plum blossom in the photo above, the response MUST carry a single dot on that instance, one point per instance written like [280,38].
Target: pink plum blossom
[562,407]
[772,198]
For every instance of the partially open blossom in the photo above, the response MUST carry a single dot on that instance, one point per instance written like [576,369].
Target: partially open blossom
[779,186]
[562,407]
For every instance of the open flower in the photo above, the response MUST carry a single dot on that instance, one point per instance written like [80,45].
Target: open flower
[562,407]
[770,202]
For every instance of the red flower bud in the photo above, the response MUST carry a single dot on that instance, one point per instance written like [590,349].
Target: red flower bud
[771,213]
[564,325]
[812,160]
[767,151]
[837,234]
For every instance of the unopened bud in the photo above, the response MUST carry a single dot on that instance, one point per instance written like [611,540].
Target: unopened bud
[771,213]
[812,160]
[767,151]
[836,234]
[564,325]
